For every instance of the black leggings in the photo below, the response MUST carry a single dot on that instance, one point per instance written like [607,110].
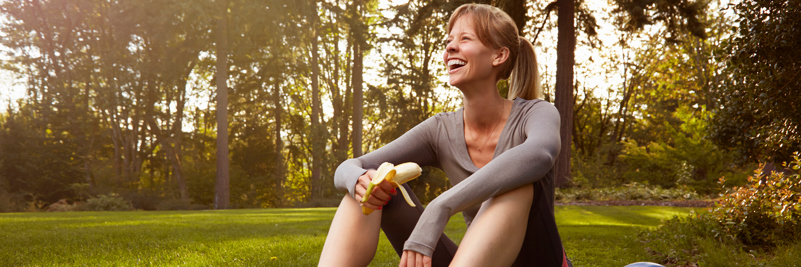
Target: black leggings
[541,246]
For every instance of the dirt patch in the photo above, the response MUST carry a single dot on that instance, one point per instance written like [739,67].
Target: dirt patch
[678,203]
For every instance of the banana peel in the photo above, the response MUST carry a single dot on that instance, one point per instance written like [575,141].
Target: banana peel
[396,176]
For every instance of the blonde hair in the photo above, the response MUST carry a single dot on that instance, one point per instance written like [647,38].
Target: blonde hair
[496,29]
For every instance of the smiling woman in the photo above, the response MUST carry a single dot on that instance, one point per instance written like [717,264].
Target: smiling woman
[498,153]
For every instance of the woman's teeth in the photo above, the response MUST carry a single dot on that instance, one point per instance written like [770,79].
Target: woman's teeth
[455,63]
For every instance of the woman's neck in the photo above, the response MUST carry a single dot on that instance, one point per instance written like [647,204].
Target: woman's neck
[484,108]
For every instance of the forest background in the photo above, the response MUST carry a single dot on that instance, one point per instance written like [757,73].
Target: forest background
[124,96]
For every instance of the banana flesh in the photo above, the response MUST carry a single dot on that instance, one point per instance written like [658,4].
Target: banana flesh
[395,175]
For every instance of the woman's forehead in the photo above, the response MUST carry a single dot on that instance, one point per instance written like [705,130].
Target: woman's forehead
[462,25]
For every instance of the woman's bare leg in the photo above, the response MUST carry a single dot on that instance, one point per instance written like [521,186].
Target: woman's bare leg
[497,232]
[353,237]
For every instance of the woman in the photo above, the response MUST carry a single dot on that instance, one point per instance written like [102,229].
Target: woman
[498,153]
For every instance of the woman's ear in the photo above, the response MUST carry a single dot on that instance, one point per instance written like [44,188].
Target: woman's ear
[501,55]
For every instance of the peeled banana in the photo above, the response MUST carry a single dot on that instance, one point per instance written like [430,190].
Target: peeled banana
[395,175]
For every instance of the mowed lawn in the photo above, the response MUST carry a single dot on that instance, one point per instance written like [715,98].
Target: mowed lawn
[593,236]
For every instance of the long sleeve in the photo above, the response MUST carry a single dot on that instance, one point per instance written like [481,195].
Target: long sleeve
[416,145]
[518,166]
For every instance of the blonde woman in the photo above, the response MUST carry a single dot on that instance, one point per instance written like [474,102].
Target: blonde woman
[498,154]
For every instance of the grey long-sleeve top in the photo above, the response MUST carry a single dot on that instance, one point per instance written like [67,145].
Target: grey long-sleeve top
[526,150]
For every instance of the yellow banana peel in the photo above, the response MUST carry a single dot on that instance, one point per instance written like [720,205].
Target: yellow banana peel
[395,175]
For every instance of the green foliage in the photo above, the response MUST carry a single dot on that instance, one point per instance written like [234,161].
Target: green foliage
[754,225]
[766,211]
[688,241]
[430,184]
[630,191]
[109,202]
[757,112]
[35,165]
[678,16]
[686,157]
[63,205]
[697,240]
[179,204]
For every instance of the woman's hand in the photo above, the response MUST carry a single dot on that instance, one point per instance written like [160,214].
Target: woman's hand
[411,258]
[381,193]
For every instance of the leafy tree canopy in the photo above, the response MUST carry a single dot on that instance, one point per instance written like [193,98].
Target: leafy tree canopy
[758,113]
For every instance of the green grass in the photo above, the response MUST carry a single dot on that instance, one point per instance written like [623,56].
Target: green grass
[593,236]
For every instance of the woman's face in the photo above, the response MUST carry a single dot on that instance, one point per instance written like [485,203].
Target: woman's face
[467,59]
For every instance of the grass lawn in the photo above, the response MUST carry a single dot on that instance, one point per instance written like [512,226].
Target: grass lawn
[593,236]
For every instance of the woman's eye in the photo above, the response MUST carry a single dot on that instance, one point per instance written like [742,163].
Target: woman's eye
[465,38]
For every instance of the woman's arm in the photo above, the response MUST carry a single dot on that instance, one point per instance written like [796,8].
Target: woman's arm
[416,145]
[521,165]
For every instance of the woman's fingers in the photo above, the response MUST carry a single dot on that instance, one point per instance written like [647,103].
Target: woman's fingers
[380,194]
[411,258]
[359,190]
[403,259]
[388,188]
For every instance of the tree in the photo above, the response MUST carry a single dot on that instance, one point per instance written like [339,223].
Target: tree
[221,187]
[565,49]
[359,45]
[758,109]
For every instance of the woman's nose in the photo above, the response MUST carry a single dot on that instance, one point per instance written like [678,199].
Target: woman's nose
[451,47]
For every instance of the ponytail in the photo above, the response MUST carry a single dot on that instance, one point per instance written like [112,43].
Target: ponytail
[524,81]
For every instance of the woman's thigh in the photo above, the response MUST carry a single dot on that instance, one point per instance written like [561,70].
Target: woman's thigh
[352,238]
[497,233]
[399,219]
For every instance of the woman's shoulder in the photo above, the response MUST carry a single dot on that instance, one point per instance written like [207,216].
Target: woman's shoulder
[536,106]
[446,117]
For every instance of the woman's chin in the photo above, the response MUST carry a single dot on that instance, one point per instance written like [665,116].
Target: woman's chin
[455,82]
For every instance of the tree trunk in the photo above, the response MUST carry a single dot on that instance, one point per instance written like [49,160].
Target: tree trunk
[279,143]
[346,100]
[358,111]
[565,49]
[517,10]
[221,190]
[316,138]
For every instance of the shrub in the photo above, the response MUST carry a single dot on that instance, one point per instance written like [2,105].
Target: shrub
[9,202]
[144,199]
[109,202]
[754,225]
[62,205]
[630,191]
[179,204]
[765,212]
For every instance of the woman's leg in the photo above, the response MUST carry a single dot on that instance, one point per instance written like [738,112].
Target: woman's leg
[353,237]
[398,222]
[496,234]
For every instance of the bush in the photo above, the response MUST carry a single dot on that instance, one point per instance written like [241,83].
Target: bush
[595,171]
[179,204]
[144,199]
[109,202]
[10,203]
[62,205]
[755,225]
[630,191]
[765,212]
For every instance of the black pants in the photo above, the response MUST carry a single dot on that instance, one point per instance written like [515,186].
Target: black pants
[541,245]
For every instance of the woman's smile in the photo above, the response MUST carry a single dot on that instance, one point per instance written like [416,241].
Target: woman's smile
[455,64]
